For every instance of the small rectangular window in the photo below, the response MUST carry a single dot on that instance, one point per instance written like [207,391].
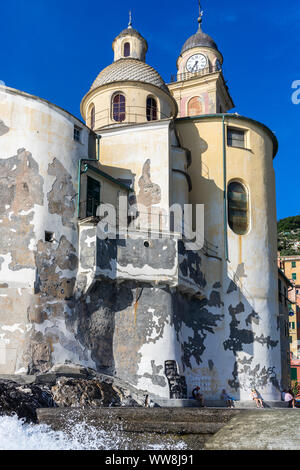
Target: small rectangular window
[77,132]
[93,197]
[49,237]
[236,137]
[294,276]
[293,264]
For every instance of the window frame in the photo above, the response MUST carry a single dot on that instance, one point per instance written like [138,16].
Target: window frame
[119,112]
[237,130]
[87,212]
[151,109]
[126,44]
[247,211]
[77,133]
[92,116]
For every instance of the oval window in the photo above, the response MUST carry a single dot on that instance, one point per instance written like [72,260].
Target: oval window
[238,208]
[118,108]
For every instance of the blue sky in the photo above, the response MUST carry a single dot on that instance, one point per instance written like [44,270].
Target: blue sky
[55,49]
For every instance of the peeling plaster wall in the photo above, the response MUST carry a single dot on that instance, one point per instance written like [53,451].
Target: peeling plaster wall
[38,188]
[121,306]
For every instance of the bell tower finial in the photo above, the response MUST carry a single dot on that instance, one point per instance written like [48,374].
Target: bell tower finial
[130,20]
[200,15]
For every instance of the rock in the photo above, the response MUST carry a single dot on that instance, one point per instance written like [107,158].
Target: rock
[127,395]
[73,392]
[67,385]
[70,370]
[23,400]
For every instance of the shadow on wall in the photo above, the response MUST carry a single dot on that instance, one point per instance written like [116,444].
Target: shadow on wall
[216,333]
[227,306]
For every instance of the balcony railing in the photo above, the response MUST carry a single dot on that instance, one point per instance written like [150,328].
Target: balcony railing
[188,75]
[160,226]
[132,115]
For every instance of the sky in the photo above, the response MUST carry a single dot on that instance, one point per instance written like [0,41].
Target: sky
[55,49]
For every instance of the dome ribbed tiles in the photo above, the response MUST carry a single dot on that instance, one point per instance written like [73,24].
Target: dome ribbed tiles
[129,69]
[199,39]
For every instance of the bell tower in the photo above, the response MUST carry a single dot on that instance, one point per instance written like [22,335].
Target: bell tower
[199,87]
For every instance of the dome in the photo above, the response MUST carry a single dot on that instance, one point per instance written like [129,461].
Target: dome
[199,39]
[130,32]
[129,69]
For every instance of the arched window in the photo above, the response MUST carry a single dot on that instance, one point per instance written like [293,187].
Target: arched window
[118,108]
[195,106]
[126,49]
[238,208]
[92,117]
[151,109]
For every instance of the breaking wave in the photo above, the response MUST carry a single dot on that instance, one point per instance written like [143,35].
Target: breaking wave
[17,435]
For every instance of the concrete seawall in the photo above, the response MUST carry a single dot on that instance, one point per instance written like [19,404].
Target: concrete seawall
[198,429]
[156,425]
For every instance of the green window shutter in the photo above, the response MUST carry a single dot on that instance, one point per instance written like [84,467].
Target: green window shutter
[294,276]
[293,264]
[293,373]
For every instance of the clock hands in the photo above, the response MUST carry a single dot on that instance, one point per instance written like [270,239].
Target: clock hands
[195,65]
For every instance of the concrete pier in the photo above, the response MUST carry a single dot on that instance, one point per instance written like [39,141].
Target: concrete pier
[198,429]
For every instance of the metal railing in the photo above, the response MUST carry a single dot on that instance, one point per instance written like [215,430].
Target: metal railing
[132,115]
[187,75]
[143,225]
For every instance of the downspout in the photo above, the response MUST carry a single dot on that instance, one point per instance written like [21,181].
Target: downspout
[98,147]
[225,190]
[97,159]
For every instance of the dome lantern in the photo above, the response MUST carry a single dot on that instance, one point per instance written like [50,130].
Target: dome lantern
[130,44]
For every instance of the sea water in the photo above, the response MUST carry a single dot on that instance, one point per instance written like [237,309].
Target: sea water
[17,435]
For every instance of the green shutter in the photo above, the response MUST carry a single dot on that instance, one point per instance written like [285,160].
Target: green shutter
[293,373]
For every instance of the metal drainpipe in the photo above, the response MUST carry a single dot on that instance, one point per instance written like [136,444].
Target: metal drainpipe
[225,190]
[98,146]
[79,170]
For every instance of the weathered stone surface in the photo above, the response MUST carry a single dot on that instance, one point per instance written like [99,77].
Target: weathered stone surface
[141,425]
[150,193]
[259,430]
[64,386]
[78,386]
[3,128]
[69,392]
[21,187]
[61,196]
[23,400]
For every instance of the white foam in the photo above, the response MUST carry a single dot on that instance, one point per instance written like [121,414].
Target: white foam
[15,435]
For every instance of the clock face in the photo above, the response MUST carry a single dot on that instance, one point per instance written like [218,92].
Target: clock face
[196,63]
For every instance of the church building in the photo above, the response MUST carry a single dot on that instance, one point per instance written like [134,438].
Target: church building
[148,309]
